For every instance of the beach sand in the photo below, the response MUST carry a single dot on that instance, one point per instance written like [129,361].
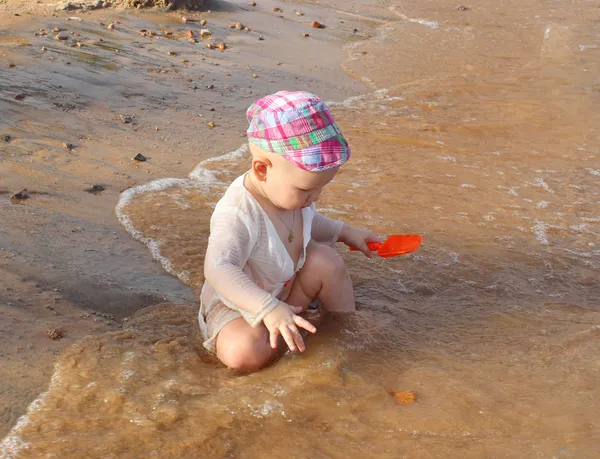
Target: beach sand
[475,125]
[66,261]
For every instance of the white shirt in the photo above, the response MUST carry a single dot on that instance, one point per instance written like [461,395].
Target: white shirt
[247,264]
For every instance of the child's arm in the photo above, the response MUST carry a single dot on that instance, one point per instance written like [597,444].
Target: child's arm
[232,239]
[329,231]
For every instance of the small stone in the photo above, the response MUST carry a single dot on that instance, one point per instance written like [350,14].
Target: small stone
[254,75]
[246,29]
[156,128]
[23,194]
[62,36]
[126,119]
[57,29]
[306,35]
[222,46]
[79,44]
[405,397]
[261,38]
[463,8]
[210,46]
[205,33]
[317,25]
[111,26]
[139,157]
[68,146]
[211,124]
[277,10]
[5,138]
[252,3]
[20,96]
[190,33]
[44,49]
[202,22]
[171,53]
[184,19]
[95,189]
[299,13]
[239,26]
[55,333]
[192,41]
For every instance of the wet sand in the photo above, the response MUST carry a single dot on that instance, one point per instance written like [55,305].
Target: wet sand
[66,261]
[473,126]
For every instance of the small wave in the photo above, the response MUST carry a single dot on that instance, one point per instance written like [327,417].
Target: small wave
[13,444]
[200,177]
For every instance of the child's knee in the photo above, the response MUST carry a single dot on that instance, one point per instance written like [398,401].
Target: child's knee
[327,261]
[247,352]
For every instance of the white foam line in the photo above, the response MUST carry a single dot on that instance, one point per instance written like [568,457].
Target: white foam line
[583,254]
[425,22]
[199,178]
[13,444]
[201,173]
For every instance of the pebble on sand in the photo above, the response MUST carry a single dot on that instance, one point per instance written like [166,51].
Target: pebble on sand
[111,26]
[23,194]
[95,189]
[68,146]
[252,3]
[211,124]
[205,33]
[20,96]
[55,333]
[139,157]
[126,119]
[5,138]
[317,25]
[405,397]
[277,10]
[222,46]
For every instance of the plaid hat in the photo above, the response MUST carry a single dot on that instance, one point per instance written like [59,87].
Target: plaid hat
[298,126]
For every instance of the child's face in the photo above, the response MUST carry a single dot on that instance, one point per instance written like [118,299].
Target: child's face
[285,185]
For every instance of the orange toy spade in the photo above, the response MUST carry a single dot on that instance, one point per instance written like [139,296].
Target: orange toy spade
[397,244]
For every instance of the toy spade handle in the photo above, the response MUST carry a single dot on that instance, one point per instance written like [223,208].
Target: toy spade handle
[374,246]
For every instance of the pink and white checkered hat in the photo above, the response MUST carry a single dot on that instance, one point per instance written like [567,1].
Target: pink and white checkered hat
[298,126]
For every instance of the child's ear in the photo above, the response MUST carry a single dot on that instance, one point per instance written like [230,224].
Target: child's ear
[260,167]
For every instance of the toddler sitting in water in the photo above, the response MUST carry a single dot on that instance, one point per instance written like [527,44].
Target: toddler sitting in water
[269,252]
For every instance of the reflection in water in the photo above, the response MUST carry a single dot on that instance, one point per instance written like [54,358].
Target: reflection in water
[494,323]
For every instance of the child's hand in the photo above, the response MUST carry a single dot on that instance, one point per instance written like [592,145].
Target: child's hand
[282,320]
[358,238]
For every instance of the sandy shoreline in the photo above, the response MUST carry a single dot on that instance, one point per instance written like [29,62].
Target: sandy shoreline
[66,262]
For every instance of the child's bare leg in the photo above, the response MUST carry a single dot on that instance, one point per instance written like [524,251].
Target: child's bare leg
[244,348]
[324,276]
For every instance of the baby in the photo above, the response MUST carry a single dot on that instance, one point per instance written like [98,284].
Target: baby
[270,252]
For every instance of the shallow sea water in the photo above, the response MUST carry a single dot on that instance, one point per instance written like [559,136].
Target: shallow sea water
[494,323]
